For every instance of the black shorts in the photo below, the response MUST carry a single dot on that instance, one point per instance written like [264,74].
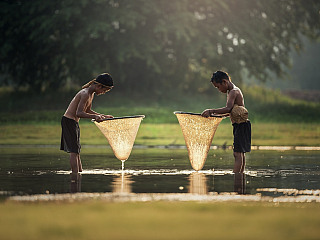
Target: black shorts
[70,136]
[242,137]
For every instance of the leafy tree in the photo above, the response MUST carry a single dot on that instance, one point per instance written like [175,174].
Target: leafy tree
[149,45]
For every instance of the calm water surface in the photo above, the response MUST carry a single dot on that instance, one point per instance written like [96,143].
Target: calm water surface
[28,171]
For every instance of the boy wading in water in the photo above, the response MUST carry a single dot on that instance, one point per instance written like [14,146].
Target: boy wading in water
[80,107]
[238,115]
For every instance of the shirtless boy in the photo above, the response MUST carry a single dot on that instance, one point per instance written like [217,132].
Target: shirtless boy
[242,129]
[80,107]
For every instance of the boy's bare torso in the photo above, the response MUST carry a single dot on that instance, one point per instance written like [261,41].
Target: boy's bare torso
[236,97]
[82,95]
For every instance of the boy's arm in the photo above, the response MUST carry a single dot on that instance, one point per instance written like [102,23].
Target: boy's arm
[222,111]
[82,112]
[90,111]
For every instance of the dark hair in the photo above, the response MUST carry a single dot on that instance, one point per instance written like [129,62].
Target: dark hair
[218,76]
[105,79]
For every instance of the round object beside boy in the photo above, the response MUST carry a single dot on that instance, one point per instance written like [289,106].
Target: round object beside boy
[239,114]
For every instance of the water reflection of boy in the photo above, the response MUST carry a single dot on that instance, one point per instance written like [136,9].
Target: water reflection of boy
[239,183]
[75,183]
[80,107]
[241,131]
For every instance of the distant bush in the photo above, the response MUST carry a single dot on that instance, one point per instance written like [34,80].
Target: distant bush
[267,105]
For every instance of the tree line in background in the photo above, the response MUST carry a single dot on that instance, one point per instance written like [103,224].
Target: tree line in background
[149,45]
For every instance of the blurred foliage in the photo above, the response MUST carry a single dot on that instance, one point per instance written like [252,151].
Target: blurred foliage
[149,46]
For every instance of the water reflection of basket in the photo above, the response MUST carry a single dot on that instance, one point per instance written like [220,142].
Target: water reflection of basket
[198,183]
[198,133]
[121,133]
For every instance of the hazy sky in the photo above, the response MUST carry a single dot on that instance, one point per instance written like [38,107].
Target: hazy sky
[305,72]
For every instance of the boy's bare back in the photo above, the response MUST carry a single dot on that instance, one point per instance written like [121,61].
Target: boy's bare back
[82,102]
[235,95]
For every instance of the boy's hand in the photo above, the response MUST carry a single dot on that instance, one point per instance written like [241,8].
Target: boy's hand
[101,117]
[206,113]
[98,118]
[107,116]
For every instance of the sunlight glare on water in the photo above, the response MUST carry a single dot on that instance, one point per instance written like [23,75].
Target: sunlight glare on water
[278,176]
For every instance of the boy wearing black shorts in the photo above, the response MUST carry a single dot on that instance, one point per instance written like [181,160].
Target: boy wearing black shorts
[80,107]
[238,115]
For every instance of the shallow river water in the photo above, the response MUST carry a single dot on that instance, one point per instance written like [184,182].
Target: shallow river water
[30,171]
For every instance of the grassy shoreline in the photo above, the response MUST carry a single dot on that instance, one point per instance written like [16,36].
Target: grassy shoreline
[264,105]
[263,134]
[159,220]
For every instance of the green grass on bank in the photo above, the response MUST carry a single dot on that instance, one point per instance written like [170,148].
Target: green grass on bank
[159,220]
[263,134]
[265,106]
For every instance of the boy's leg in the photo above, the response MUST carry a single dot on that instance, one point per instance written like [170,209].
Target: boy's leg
[243,162]
[79,163]
[74,162]
[238,162]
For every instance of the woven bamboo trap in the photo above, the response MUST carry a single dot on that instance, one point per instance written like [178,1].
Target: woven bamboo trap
[198,133]
[121,133]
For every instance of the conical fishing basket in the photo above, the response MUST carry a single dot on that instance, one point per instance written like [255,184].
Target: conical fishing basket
[121,133]
[198,133]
